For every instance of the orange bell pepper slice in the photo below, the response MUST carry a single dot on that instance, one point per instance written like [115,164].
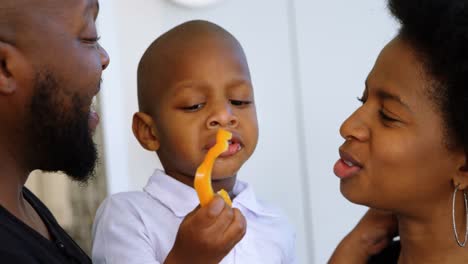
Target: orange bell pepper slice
[202,182]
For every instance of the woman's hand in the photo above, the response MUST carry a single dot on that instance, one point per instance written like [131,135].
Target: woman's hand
[372,234]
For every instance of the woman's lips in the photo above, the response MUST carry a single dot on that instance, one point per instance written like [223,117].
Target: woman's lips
[346,166]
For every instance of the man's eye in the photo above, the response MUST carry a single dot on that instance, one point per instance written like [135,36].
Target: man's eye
[94,40]
[193,108]
[240,103]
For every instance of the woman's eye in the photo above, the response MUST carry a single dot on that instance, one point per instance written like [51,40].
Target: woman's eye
[240,103]
[193,108]
[361,99]
[385,117]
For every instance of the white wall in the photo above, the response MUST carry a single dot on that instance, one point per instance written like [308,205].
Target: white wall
[308,60]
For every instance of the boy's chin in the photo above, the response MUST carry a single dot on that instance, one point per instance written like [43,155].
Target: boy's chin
[221,177]
[224,171]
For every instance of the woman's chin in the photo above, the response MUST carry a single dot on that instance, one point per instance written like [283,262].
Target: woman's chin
[355,196]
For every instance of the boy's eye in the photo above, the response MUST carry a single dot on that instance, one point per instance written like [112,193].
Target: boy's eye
[193,108]
[240,103]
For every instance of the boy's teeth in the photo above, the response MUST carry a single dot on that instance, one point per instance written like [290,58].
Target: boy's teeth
[349,163]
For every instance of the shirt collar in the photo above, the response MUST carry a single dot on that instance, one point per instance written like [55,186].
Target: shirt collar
[182,199]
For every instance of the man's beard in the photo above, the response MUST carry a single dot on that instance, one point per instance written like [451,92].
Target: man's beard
[58,131]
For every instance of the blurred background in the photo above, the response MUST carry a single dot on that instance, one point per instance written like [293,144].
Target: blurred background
[308,60]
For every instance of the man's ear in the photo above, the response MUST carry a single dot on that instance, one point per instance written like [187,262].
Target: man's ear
[460,178]
[145,131]
[9,58]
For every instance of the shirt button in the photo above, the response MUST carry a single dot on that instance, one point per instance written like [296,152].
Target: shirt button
[60,245]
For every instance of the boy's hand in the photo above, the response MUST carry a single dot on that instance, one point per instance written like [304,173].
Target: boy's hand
[371,235]
[208,234]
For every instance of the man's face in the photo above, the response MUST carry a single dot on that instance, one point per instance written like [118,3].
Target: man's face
[67,67]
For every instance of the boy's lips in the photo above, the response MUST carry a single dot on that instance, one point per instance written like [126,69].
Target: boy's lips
[232,149]
[235,145]
[347,166]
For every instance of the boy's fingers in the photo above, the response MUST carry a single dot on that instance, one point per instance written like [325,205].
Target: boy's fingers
[222,222]
[207,216]
[216,206]
[236,229]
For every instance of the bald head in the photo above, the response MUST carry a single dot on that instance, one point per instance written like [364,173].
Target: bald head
[23,19]
[161,60]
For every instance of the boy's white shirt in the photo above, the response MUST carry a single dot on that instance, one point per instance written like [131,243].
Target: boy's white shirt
[140,227]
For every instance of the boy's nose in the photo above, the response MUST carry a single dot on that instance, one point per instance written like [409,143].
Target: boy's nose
[222,118]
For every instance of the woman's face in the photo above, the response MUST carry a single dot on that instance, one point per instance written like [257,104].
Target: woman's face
[394,156]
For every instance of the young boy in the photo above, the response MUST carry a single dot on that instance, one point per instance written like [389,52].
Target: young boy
[192,81]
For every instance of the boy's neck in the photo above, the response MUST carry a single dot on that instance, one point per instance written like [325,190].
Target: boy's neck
[227,184]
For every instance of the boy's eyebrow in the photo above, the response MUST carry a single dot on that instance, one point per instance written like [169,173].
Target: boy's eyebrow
[184,85]
[200,85]
[240,82]
[181,87]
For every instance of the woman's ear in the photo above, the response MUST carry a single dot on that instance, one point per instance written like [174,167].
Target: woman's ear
[144,129]
[461,177]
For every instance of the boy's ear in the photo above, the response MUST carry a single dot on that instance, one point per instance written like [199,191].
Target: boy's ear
[144,129]
[8,61]
[461,177]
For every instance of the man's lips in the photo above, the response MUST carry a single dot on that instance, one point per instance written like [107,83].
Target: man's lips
[93,120]
[347,166]
[93,117]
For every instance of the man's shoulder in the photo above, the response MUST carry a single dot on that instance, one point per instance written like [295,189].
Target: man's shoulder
[8,255]
[38,205]
[19,243]
[16,245]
